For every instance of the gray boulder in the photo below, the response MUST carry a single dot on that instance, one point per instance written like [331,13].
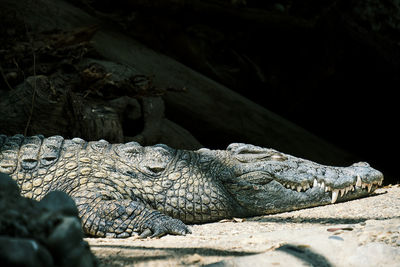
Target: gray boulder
[45,233]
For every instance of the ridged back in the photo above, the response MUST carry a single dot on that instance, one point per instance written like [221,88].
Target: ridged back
[31,161]
[28,153]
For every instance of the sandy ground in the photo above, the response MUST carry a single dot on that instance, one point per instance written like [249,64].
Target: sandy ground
[343,234]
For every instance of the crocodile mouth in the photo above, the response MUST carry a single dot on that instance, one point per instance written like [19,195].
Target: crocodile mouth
[255,179]
[336,192]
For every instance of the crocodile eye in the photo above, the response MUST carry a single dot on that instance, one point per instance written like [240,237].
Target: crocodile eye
[131,151]
[278,157]
[157,158]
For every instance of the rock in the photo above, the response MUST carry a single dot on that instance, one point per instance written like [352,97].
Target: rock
[23,252]
[44,233]
[58,201]
[334,237]
[67,246]
[65,236]
[8,186]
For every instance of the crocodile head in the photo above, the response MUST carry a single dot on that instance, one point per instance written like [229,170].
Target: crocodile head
[267,181]
[243,180]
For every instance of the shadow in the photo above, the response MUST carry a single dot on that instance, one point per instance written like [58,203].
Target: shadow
[128,260]
[305,254]
[187,250]
[315,220]
[139,253]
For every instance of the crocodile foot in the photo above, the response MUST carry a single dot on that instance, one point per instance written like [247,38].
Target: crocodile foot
[163,226]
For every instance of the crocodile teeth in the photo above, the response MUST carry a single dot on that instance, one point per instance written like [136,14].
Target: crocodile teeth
[327,188]
[342,191]
[369,187]
[347,189]
[306,186]
[334,195]
[297,188]
[315,183]
[322,185]
[358,183]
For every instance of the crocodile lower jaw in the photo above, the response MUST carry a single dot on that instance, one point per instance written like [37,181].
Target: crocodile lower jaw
[336,192]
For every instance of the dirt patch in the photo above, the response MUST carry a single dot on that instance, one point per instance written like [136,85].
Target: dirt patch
[350,228]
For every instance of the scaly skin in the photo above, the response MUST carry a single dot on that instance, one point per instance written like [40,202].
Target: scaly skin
[122,189]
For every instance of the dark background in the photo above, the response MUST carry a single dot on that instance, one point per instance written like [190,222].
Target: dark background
[331,67]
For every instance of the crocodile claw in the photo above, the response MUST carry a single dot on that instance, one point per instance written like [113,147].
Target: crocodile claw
[164,227]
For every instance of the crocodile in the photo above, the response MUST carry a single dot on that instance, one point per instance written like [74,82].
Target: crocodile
[128,189]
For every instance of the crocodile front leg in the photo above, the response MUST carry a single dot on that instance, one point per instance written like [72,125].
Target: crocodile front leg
[105,217]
